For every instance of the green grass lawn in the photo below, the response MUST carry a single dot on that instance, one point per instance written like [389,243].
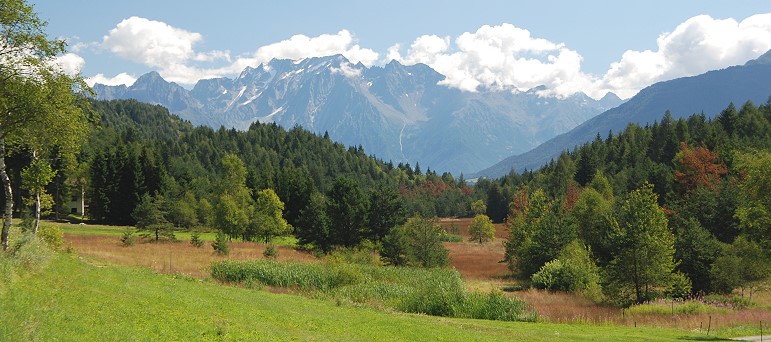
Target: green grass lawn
[74,300]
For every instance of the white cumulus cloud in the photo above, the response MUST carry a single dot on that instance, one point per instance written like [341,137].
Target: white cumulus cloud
[301,46]
[498,57]
[120,79]
[162,46]
[501,57]
[698,45]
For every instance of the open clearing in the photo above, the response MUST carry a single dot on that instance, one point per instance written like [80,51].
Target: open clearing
[479,265]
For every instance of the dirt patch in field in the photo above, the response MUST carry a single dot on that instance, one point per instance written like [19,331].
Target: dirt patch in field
[475,261]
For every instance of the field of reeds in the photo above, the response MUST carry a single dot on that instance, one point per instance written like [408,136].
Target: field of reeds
[437,292]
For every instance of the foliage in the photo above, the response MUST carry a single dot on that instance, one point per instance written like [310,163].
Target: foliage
[34,178]
[742,265]
[220,244]
[698,167]
[386,211]
[195,239]
[572,271]
[679,287]
[234,205]
[127,239]
[538,232]
[270,252]
[424,247]
[478,207]
[53,236]
[695,250]
[643,247]
[755,212]
[313,226]
[347,210]
[42,106]
[150,216]
[481,229]
[267,219]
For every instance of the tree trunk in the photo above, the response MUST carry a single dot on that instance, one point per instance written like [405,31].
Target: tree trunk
[37,202]
[37,213]
[8,212]
[82,202]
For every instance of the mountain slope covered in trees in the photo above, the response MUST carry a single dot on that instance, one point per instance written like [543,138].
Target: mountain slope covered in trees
[707,93]
[396,112]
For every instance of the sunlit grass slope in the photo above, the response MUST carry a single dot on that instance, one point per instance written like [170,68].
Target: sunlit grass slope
[83,301]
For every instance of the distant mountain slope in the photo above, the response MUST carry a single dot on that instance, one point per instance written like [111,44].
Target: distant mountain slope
[708,93]
[395,112]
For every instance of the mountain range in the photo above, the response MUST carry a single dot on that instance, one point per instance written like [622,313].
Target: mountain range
[708,93]
[396,112]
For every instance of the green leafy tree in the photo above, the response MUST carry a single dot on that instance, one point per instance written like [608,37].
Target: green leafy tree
[267,219]
[754,213]
[417,243]
[593,212]
[183,213]
[234,204]
[481,229]
[395,248]
[696,249]
[151,216]
[386,211]
[41,105]
[743,264]
[35,177]
[347,210]
[220,244]
[478,207]
[643,247]
[313,225]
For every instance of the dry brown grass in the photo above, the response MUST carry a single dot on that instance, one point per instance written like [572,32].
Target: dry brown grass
[171,257]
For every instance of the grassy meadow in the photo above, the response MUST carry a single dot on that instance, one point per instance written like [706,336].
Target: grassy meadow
[164,291]
[74,298]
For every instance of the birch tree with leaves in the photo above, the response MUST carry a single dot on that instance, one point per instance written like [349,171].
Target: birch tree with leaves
[40,105]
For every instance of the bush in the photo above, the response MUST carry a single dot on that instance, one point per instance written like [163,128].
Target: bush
[452,238]
[270,252]
[128,237]
[195,239]
[53,236]
[220,244]
[30,253]
[572,271]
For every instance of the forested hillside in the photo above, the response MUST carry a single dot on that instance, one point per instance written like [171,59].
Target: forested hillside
[677,207]
[696,187]
[141,150]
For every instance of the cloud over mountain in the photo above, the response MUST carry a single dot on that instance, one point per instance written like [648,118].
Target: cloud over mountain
[496,57]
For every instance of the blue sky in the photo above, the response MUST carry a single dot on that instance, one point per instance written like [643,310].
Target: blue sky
[569,46]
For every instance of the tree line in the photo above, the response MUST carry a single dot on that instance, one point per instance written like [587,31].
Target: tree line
[675,208]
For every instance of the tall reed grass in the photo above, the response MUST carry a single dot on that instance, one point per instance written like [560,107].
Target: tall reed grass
[437,292]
